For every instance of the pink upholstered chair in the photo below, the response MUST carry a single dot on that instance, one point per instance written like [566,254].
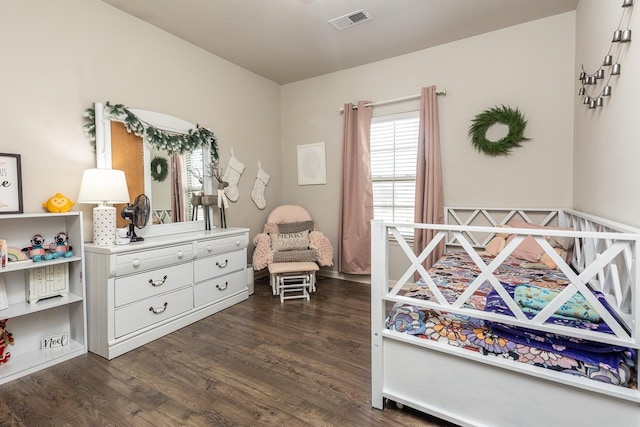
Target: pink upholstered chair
[291,247]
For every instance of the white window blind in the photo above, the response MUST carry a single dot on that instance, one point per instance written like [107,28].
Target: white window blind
[394,149]
[195,167]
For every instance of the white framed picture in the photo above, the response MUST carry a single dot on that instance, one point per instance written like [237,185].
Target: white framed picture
[10,184]
[312,167]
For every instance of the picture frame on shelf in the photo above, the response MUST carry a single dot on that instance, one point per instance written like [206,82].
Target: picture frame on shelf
[10,184]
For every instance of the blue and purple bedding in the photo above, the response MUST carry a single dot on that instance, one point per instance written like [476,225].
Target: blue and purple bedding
[531,289]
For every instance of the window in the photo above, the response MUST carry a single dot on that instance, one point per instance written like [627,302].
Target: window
[394,150]
[194,172]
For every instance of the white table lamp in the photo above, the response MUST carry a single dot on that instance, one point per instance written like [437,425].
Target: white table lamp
[104,186]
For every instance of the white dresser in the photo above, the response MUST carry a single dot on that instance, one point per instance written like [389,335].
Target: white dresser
[139,292]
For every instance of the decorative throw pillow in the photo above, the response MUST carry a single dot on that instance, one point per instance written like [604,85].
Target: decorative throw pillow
[495,246]
[551,264]
[563,242]
[530,250]
[290,241]
[304,255]
[295,227]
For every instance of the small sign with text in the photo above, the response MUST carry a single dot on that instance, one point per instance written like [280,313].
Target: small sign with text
[55,341]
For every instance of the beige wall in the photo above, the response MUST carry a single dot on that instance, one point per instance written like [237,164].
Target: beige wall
[528,66]
[60,57]
[607,140]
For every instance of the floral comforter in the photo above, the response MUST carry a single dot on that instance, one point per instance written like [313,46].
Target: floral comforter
[453,273]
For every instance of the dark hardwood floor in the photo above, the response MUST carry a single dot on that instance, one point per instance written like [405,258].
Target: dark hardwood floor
[257,363]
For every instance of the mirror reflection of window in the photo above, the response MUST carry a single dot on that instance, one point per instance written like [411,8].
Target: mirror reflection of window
[195,173]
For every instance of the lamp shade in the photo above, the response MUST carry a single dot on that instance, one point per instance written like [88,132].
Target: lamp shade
[103,186]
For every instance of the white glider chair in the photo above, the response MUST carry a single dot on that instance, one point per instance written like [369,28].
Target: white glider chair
[292,248]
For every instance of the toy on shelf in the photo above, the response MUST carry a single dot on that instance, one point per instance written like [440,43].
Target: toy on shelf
[58,203]
[15,254]
[37,251]
[6,339]
[60,247]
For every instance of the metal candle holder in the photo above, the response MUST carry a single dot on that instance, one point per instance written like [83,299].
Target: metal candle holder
[621,36]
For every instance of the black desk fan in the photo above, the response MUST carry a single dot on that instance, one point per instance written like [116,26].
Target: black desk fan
[138,213]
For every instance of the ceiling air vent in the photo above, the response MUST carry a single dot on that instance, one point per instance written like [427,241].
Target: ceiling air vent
[350,19]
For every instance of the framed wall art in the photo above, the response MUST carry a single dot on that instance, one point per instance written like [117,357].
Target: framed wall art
[312,168]
[10,184]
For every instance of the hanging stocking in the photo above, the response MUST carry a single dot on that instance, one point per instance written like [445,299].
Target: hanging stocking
[232,176]
[257,194]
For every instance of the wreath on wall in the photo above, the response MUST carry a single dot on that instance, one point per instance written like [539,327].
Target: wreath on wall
[513,118]
[159,168]
[161,139]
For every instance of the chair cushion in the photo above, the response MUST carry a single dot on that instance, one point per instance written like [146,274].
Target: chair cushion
[288,213]
[292,267]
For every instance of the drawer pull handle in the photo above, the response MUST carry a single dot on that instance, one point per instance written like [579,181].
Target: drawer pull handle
[226,261]
[158,282]
[180,254]
[223,287]
[158,310]
[209,248]
[136,263]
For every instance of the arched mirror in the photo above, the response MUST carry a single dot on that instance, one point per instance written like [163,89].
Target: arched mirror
[169,180]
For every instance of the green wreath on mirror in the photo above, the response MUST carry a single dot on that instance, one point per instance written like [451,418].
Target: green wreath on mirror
[159,168]
[513,118]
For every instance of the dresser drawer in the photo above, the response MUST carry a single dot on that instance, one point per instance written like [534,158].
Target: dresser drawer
[148,260]
[224,244]
[219,288]
[153,310]
[217,265]
[151,283]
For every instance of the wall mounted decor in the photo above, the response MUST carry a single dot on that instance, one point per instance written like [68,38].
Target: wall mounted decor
[159,168]
[312,164]
[261,182]
[232,176]
[597,85]
[10,184]
[508,116]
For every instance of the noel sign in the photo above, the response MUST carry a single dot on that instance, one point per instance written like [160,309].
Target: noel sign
[10,184]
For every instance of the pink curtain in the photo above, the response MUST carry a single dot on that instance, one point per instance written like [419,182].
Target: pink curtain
[429,206]
[356,192]
[178,203]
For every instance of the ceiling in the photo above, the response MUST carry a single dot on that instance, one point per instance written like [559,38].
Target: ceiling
[290,40]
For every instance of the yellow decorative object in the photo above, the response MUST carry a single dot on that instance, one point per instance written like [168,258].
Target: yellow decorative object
[58,203]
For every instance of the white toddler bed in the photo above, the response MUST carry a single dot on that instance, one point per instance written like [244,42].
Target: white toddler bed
[470,388]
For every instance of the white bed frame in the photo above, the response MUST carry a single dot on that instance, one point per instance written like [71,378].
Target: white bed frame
[470,389]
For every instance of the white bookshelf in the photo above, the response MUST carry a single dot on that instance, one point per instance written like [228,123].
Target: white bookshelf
[30,323]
